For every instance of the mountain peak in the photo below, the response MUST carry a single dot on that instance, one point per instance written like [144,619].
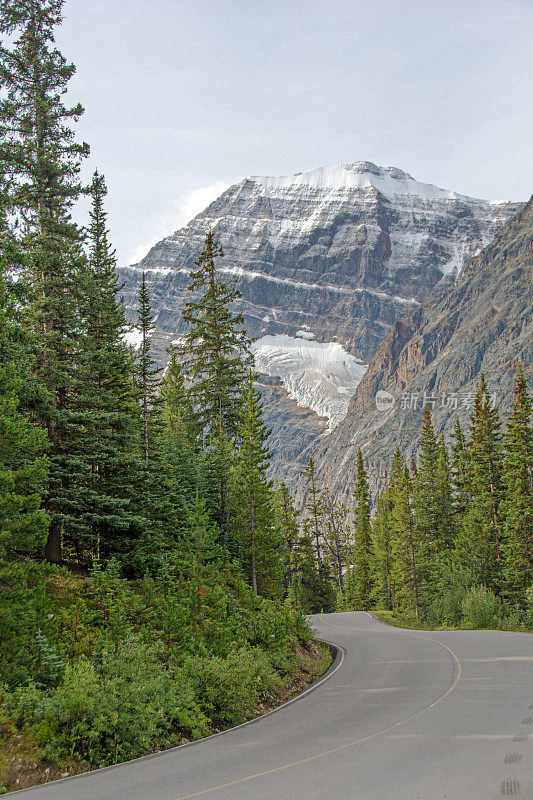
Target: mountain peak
[391,182]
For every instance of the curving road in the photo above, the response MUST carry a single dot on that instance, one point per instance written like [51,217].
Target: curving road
[402,715]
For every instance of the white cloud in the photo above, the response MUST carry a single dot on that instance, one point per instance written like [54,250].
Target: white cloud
[179,212]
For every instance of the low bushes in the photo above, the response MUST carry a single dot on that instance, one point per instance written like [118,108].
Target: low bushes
[102,669]
[480,608]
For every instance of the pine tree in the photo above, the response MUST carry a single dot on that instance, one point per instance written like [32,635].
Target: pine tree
[147,375]
[517,503]
[216,349]
[363,540]
[382,550]
[178,413]
[254,511]
[432,506]
[23,468]
[42,160]
[312,589]
[405,547]
[459,472]
[313,505]
[479,541]
[443,500]
[103,455]
[426,516]
[287,529]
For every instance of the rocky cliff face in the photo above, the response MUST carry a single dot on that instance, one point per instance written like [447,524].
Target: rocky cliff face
[435,355]
[328,260]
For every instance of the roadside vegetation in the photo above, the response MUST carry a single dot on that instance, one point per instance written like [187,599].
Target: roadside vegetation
[450,539]
[153,581]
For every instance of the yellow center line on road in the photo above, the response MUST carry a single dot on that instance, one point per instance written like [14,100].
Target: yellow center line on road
[348,744]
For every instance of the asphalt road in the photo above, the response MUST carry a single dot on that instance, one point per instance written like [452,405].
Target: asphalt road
[403,715]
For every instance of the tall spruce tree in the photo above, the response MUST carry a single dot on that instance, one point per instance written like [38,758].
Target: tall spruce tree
[405,546]
[444,500]
[23,468]
[459,473]
[41,158]
[287,526]
[381,567]
[216,349]
[253,512]
[479,541]
[426,516]
[517,502]
[363,539]
[104,453]
[311,589]
[147,373]
[313,505]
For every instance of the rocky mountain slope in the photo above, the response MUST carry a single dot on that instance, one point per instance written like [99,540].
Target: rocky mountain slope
[328,261]
[435,355]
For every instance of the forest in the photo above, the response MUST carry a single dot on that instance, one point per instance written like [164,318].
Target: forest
[154,581]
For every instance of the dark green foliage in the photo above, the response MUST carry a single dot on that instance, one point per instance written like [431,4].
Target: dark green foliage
[286,521]
[216,348]
[115,669]
[101,458]
[311,588]
[253,520]
[160,484]
[362,555]
[23,468]
[41,162]
[313,505]
[147,375]
[479,540]
[516,508]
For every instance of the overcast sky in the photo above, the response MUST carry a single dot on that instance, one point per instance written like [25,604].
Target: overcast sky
[185,98]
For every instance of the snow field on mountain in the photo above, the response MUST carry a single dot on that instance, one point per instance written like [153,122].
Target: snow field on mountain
[321,376]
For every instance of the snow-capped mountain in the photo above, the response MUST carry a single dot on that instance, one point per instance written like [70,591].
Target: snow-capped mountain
[481,324]
[336,253]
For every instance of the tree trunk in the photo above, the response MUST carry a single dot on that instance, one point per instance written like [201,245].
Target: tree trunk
[52,549]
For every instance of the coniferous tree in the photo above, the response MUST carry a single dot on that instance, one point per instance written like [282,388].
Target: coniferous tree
[287,526]
[254,511]
[216,348]
[517,502]
[147,374]
[41,158]
[443,499]
[382,550]
[363,541]
[23,523]
[425,506]
[459,473]
[313,505]
[405,547]
[479,541]
[312,589]
[104,454]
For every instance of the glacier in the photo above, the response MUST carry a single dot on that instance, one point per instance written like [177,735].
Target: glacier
[321,376]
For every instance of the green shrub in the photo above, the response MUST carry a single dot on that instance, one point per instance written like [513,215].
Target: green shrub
[228,689]
[131,706]
[481,608]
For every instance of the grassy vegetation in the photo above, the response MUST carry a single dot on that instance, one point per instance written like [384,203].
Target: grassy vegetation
[97,670]
[479,609]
